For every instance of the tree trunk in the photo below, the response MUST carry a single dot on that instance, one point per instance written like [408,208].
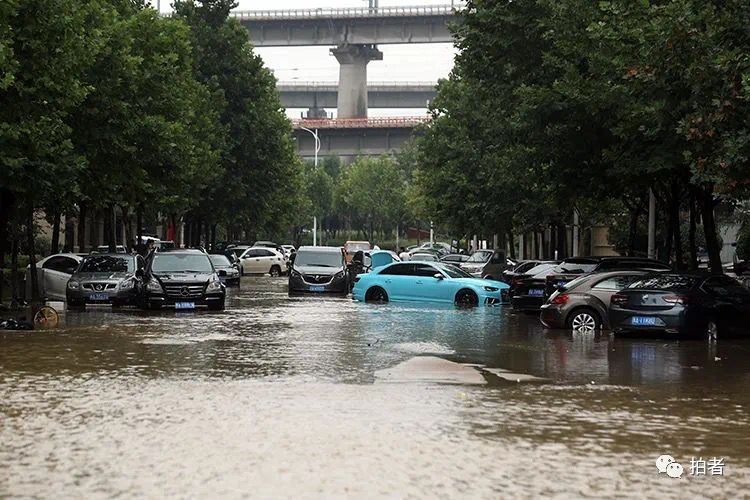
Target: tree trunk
[676,198]
[213,236]
[32,254]
[670,232]
[55,244]
[112,237]
[6,205]
[139,226]
[128,230]
[709,227]
[82,213]
[693,251]
[511,246]
[14,271]
[635,214]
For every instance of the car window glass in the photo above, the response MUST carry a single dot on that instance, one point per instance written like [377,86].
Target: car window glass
[251,253]
[725,287]
[498,258]
[107,264]
[615,283]
[265,253]
[398,270]
[62,264]
[424,270]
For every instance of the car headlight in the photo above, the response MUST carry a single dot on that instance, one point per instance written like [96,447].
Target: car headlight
[153,286]
[126,284]
[340,274]
[74,285]
[296,274]
[491,289]
[214,286]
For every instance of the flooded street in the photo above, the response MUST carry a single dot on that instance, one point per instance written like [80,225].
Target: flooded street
[310,396]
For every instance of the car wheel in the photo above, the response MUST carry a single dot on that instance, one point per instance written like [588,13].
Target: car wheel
[376,294]
[275,271]
[467,298]
[584,320]
[712,330]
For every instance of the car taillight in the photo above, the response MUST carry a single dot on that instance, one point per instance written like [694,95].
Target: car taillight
[619,299]
[560,299]
[675,299]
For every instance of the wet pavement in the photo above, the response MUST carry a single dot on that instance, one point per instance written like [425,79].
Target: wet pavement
[313,396]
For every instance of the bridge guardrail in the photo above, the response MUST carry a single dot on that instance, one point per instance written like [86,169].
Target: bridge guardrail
[347,12]
[344,123]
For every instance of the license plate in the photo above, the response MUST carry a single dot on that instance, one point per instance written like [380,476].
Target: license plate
[184,305]
[99,296]
[536,292]
[561,283]
[643,321]
[317,289]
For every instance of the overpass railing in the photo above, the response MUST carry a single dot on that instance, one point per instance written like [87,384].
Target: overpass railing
[348,12]
[313,85]
[349,123]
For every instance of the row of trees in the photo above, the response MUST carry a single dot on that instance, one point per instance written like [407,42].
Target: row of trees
[368,197]
[106,105]
[562,105]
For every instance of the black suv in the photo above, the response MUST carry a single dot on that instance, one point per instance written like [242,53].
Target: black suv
[183,279]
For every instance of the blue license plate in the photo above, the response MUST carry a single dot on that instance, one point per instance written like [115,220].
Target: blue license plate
[99,297]
[317,288]
[184,305]
[536,292]
[643,321]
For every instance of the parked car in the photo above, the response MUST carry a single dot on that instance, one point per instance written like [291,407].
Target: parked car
[439,247]
[183,279]
[106,278]
[319,270]
[288,250]
[105,249]
[235,250]
[426,282]
[527,290]
[379,258]
[270,244]
[53,273]
[262,260]
[488,264]
[582,304]
[454,258]
[352,247]
[222,263]
[520,268]
[424,257]
[712,306]
[573,267]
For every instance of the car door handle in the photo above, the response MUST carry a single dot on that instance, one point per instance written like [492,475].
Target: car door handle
[387,281]
[418,282]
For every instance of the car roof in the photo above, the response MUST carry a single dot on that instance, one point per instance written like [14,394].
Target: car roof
[320,249]
[193,251]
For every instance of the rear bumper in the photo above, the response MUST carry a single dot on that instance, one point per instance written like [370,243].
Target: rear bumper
[527,302]
[671,324]
[552,317]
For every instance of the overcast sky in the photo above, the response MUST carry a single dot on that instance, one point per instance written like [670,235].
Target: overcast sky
[417,62]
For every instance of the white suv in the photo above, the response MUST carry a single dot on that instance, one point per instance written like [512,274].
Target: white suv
[262,260]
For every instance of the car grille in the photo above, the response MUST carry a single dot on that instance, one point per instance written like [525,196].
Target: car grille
[99,286]
[185,290]
[317,279]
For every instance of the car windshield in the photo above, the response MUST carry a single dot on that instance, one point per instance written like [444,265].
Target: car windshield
[570,285]
[479,257]
[181,263]
[575,267]
[314,258]
[454,272]
[541,268]
[107,264]
[219,261]
[669,283]
[428,257]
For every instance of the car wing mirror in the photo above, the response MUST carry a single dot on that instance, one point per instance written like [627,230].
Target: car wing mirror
[437,276]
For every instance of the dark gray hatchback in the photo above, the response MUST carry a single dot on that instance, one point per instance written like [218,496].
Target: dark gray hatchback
[319,270]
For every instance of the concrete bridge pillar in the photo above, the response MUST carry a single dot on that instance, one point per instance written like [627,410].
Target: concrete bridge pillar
[353,60]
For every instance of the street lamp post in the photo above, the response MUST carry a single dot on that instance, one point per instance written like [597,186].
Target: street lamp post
[317,148]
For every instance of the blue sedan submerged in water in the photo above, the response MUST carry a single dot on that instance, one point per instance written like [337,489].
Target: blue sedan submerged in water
[427,282]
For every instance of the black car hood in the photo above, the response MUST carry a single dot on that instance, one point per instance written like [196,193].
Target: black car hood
[102,276]
[183,277]
[321,270]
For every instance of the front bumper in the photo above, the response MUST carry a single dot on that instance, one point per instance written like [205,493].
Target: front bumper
[111,296]
[336,285]
[163,300]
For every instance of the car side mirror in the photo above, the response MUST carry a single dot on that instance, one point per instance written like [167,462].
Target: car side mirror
[437,276]
[222,272]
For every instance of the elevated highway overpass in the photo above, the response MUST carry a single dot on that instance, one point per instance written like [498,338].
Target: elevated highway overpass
[380,95]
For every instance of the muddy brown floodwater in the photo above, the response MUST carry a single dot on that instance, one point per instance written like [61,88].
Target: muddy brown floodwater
[310,397]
